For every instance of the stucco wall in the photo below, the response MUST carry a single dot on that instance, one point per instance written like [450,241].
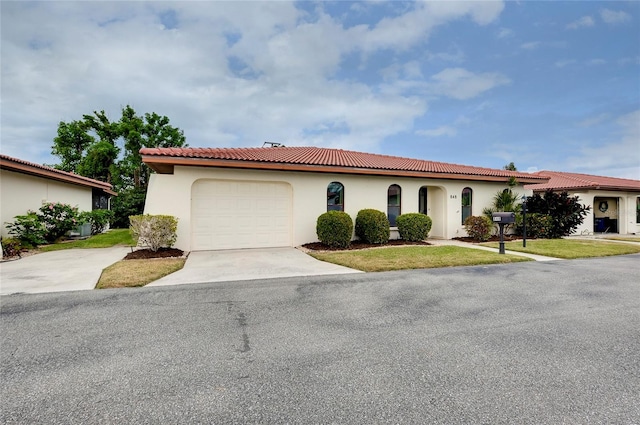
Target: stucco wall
[21,192]
[171,194]
[621,204]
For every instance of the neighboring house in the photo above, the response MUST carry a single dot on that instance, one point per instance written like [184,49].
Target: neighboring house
[270,197]
[614,202]
[26,186]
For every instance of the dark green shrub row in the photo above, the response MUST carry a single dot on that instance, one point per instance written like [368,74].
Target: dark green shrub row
[334,229]
[538,225]
[52,221]
[478,227]
[413,227]
[28,229]
[372,226]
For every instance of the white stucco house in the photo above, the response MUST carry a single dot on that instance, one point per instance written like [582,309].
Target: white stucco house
[614,202]
[26,186]
[231,198]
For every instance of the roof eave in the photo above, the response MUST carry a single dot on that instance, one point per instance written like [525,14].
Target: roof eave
[65,178]
[165,165]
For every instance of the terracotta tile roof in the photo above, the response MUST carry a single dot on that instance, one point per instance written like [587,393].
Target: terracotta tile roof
[26,167]
[560,181]
[333,160]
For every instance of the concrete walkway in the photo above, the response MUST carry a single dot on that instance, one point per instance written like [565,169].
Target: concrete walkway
[65,270]
[247,264]
[443,242]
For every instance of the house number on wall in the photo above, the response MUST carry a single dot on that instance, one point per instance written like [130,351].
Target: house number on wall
[453,196]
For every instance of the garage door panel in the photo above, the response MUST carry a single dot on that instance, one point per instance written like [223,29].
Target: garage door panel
[239,214]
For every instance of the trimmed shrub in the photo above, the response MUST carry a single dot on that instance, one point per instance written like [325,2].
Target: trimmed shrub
[154,231]
[413,227]
[28,229]
[334,229]
[11,247]
[372,226]
[538,225]
[58,220]
[478,227]
[98,219]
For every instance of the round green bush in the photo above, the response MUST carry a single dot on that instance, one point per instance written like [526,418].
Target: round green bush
[372,226]
[334,228]
[413,227]
[478,227]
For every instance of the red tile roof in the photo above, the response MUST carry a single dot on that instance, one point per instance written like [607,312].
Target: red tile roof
[26,167]
[321,160]
[561,181]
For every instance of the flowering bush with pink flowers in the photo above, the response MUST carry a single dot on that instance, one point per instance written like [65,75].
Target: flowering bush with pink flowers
[58,219]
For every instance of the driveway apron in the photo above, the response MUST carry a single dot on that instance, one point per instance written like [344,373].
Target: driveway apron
[248,264]
[66,270]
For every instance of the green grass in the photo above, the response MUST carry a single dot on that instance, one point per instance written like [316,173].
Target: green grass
[413,257]
[569,249]
[133,273]
[104,240]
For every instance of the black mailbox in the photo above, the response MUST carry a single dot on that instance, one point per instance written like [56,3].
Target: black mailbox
[504,217]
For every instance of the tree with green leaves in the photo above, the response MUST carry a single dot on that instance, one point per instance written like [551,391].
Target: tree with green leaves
[109,151]
[565,211]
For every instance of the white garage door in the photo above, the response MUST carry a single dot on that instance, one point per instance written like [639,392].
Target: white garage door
[231,214]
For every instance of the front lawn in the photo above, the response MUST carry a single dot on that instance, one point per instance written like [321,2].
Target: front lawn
[133,273]
[413,257]
[108,239]
[569,249]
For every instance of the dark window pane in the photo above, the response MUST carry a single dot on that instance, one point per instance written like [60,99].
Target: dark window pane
[335,197]
[394,194]
[467,203]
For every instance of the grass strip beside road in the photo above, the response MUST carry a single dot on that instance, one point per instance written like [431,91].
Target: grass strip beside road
[108,239]
[569,249]
[413,257]
[134,273]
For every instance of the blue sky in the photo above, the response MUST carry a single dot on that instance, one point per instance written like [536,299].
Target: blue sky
[547,85]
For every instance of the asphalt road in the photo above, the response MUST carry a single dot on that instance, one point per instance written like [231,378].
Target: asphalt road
[526,343]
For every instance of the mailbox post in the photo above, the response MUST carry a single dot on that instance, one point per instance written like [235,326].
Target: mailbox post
[502,218]
[524,221]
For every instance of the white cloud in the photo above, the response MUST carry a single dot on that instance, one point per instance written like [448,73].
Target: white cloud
[461,84]
[505,33]
[593,121]
[530,45]
[444,130]
[584,22]
[564,62]
[595,62]
[618,156]
[613,17]
[227,73]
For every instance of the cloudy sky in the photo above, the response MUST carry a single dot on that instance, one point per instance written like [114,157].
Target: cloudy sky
[547,85]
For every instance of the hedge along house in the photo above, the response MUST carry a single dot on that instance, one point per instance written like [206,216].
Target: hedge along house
[271,197]
[27,186]
[614,202]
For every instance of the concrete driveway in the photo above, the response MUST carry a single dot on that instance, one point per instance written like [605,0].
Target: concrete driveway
[66,270]
[248,264]
[79,269]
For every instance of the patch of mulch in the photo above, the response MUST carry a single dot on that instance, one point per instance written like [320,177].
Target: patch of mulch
[355,245]
[143,254]
[494,238]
